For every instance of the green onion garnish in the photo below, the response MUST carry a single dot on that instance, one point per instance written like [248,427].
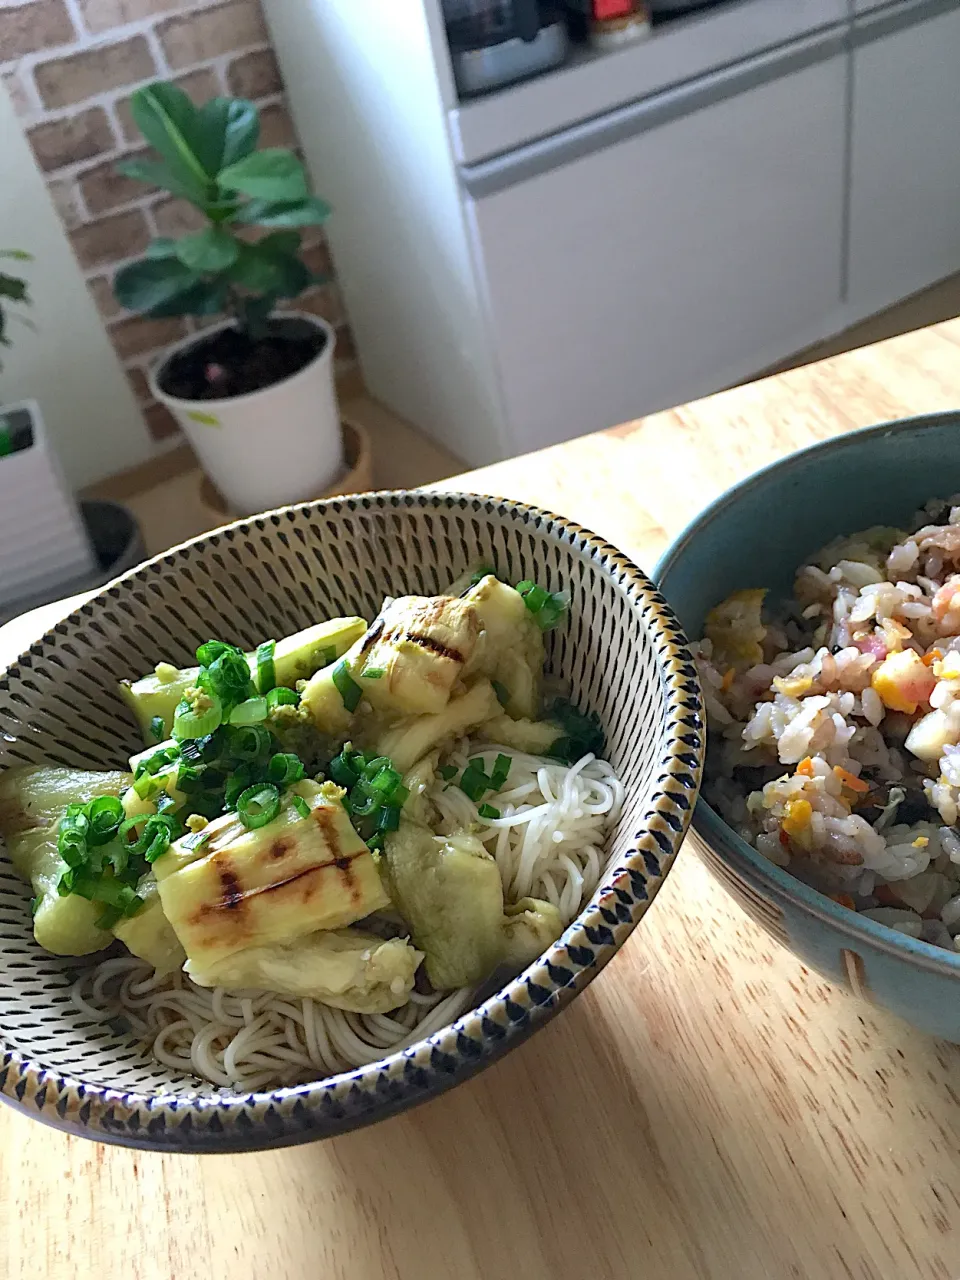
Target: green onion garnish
[266,671]
[191,723]
[258,805]
[209,652]
[346,686]
[500,772]
[373,766]
[250,742]
[547,607]
[447,772]
[342,771]
[389,818]
[251,711]
[386,780]
[35,904]
[373,673]
[104,816]
[281,697]
[301,806]
[108,917]
[158,728]
[474,782]
[488,811]
[285,768]
[195,839]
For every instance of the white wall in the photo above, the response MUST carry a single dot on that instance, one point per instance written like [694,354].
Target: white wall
[67,364]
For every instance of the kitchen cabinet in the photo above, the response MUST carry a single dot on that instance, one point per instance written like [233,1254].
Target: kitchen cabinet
[904,152]
[671,250]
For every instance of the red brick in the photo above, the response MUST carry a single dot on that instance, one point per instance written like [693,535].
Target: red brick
[208,33]
[62,81]
[104,188]
[81,137]
[102,290]
[142,334]
[111,239]
[30,27]
[254,75]
[276,128]
[104,15]
[66,198]
[176,217]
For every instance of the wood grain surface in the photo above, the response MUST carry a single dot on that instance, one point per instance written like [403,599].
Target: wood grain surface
[708,1110]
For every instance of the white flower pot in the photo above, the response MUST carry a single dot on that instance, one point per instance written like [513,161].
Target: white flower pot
[269,447]
[43,542]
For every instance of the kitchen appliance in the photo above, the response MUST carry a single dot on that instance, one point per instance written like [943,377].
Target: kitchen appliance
[495,42]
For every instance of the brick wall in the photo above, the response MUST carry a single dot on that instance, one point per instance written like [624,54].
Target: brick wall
[70,67]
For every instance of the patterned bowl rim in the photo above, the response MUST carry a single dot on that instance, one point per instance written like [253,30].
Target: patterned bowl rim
[722,838]
[266,1119]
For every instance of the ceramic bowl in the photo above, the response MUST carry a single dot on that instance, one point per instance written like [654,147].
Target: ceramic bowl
[619,650]
[756,535]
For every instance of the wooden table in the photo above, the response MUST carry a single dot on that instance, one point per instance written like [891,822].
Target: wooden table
[707,1109]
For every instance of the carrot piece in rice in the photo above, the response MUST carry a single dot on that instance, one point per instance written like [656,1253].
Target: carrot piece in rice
[727,681]
[845,900]
[805,767]
[851,781]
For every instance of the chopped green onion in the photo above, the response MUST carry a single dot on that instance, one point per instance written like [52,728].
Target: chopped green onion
[386,780]
[346,686]
[165,801]
[190,780]
[389,818]
[258,805]
[138,843]
[374,765]
[156,760]
[252,711]
[547,607]
[147,786]
[483,572]
[228,677]
[398,796]
[373,673]
[474,782]
[189,723]
[342,772]
[249,742]
[158,728]
[281,697]
[238,782]
[375,843]
[447,772]
[500,772]
[209,652]
[285,768]
[502,692]
[364,806]
[301,806]
[104,816]
[488,811]
[266,670]
[195,839]
[108,917]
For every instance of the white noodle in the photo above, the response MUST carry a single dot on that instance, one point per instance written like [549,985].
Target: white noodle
[547,844]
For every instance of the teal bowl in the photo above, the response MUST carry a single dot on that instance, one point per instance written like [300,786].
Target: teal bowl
[755,535]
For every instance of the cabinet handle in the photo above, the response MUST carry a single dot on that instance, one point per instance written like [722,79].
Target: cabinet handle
[580,140]
[909,13]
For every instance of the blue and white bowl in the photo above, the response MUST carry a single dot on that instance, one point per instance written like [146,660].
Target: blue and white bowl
[619,651]
[755,535]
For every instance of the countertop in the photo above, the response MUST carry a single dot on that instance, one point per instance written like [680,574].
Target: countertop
[708,1110]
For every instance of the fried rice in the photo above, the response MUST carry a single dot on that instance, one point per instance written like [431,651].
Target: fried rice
[834,722]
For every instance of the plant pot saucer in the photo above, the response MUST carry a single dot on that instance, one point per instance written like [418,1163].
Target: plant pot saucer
[357,478]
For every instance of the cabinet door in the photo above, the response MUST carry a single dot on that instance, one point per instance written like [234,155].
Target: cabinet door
[672,259]
[905,153]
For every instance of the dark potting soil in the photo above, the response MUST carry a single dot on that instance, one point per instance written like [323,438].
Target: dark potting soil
[229,364]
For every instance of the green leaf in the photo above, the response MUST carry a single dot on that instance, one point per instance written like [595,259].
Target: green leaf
[280,242]
[228,131]
[159,174]
[153,283]
[264,271]
[210,250]
[298,213]
[169,121]
[272,174]
[205,298]
[20,255]
[13,288]
[162,247]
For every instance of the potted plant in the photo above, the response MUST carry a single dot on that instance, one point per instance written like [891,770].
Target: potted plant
[254,393]
[44,545]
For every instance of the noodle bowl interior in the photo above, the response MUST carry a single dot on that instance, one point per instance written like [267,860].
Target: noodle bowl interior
[329,845]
